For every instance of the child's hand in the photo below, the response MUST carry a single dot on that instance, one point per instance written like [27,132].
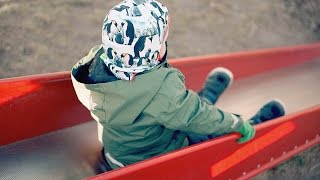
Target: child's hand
[247,131]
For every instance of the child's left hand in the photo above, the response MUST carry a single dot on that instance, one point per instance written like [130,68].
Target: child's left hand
[247,131]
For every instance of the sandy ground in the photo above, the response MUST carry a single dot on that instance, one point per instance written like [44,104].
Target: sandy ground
[38,36]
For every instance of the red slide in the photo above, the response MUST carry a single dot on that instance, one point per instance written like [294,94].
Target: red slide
[47,133]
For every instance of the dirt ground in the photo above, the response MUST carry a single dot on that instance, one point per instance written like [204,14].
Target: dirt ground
[38,36]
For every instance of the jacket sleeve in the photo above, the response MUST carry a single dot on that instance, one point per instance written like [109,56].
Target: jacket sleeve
[185,111]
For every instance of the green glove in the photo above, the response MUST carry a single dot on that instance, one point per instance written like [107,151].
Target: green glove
[247,131]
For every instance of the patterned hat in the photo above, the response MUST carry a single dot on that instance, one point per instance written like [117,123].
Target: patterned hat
[132,35]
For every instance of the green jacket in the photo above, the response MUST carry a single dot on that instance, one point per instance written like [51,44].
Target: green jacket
[148,116]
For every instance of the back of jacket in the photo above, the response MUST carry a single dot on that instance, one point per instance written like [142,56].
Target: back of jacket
[148,116]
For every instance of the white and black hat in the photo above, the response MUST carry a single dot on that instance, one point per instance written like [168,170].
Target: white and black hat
[133,33]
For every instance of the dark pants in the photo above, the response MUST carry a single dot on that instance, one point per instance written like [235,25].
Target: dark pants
[197,138]
[102,164]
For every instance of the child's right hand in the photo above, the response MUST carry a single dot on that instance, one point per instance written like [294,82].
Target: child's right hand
[247,131]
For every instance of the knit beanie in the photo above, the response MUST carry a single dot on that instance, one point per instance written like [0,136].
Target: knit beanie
[133,33]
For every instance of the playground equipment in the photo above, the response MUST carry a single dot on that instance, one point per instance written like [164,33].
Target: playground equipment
[47,133]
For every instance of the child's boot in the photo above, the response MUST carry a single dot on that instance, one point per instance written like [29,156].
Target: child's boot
[217,82]
[271,110]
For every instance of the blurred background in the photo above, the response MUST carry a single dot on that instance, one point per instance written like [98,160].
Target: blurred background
[38,36]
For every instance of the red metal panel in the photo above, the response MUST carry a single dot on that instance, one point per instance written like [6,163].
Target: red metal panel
[244,64]
[223,158]
[35,105]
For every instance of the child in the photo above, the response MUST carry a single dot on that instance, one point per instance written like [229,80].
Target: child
[140,102]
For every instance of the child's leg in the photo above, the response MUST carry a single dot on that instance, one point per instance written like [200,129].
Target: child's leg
[218,80]
[271,110]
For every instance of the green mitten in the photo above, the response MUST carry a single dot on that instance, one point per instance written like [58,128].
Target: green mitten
[247,131]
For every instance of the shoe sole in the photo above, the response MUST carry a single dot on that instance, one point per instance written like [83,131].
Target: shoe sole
[223,70]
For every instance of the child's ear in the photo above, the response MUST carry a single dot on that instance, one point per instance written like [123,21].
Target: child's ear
[162,50]
[166,33]
[164,46]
